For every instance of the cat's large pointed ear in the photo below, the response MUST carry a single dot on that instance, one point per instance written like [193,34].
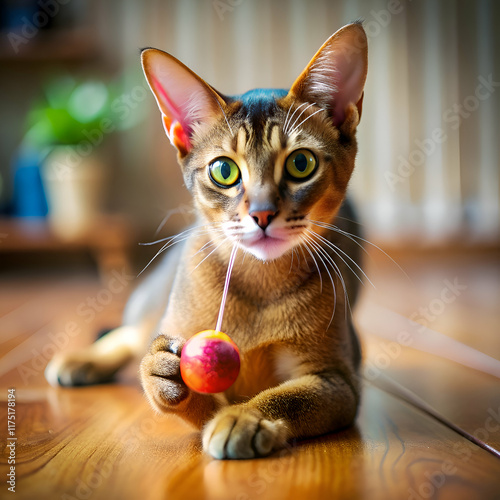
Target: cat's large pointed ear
[336,75]
[183,97]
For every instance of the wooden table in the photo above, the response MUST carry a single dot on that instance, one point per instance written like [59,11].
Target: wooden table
[104,442]
[107,241]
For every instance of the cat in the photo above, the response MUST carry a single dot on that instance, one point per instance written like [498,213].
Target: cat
[268,172]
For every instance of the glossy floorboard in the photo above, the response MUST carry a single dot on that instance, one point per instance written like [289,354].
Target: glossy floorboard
[104,442]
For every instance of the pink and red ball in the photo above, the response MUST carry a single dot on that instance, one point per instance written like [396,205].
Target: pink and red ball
[210,362]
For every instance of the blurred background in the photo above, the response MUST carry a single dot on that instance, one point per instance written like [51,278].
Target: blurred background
[84,160]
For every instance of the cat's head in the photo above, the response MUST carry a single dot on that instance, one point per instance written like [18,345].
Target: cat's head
[268,166]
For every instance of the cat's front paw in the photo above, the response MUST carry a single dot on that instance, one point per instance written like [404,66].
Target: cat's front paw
[239,432]
[161,376]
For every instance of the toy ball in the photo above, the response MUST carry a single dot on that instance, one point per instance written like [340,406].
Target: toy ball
[210,362]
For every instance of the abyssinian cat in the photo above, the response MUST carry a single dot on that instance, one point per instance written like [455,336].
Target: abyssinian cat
[268,172]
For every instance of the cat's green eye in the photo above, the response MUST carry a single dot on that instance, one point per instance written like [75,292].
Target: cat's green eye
[224,172]
[300,164]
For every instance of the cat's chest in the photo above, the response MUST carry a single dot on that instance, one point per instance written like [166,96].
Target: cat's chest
[258,372]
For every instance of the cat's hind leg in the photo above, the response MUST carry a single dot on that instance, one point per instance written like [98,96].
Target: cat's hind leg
[98,362]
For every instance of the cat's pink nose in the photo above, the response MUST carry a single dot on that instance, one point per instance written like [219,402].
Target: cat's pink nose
[263,218]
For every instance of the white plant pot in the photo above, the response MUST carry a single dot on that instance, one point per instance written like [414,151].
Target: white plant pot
[74,185]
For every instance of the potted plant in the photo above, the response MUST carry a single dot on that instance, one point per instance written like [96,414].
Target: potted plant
[67,128]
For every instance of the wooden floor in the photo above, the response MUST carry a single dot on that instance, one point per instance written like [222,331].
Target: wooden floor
[428,426]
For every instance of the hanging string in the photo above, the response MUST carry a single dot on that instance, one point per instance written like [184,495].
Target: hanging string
[232,258]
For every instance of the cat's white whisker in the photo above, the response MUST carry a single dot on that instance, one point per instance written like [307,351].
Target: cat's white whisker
[179,238]
[225,118]
[306,240]
[298,259]
[208,244]
[304,120]
[338,230]
[355,237]
[286,117]
[189,231]
[159,252]
[171,240]
[317,267]
[167,239]
[291,117]
[334,264]
[182,209]
[326,258]
[207,256]
[338,251]
[305,258]
[380,250]
[340,276]
[236,232]
[298,117]
[291,262]
[245,253]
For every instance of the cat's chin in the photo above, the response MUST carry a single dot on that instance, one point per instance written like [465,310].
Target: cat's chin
[268,248]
